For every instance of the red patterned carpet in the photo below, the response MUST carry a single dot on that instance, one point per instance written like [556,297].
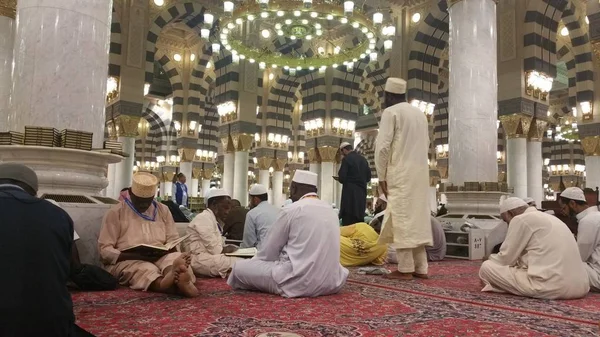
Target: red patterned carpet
[448,304]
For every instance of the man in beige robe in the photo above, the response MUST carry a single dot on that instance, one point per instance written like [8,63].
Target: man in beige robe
[141,220]
[539,257]
[401,153]
[206,242]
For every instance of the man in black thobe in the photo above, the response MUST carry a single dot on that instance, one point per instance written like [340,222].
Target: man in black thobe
[37,238]
[354,175]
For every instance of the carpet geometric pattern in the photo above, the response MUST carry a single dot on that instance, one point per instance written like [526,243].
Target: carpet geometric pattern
[448,304]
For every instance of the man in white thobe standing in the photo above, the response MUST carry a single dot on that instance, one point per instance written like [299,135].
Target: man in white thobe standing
[401,159]
[301,254]
[572,202]
[539,257]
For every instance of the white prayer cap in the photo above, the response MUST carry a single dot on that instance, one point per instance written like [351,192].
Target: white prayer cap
[511,203]
[573,193]
[216,192]
[528,200]
[144,185]
[383,198]
[344,145]
[306,178]
[395,85]
[258,189]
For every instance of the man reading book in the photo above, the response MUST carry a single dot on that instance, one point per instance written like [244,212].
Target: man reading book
[139,220]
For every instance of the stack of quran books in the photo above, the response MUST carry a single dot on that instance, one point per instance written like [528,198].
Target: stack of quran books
[42,136]
[80,140]
[113,147]
[490,186]
[12,138]
[471,186]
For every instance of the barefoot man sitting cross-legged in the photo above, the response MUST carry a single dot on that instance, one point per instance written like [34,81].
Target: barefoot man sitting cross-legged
[141,220]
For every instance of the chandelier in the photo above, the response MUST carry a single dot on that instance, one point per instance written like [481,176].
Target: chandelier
[304,20]
[538,84]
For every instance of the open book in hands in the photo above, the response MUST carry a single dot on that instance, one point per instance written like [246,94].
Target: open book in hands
[145,249]
[244,252]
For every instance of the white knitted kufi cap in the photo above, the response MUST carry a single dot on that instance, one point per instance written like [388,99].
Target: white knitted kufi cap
[512,203]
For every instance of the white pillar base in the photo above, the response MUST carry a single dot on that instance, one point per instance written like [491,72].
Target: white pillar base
[592,172]
[194,190]
[228,173]
[516,166]
[535,162]
[61,170]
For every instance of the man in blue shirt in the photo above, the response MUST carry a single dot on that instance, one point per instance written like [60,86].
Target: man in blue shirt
[260,218]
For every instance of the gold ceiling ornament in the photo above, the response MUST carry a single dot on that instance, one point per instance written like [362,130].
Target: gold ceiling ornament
[591,146]
[227,144]
[279,164]
[304,20]
[127,126]
[207,174]
[196,173]
[537,131]
[264,163]
[186,154]
[313,156]
[516,125]
[243,142]
[8,8]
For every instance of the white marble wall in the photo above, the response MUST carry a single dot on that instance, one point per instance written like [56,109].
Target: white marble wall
[473,92]
[87,220]
[516,166]
[240,177]
[592,171]
[7,35]
[535,162]
[124,169]
[60,65]
[228,173]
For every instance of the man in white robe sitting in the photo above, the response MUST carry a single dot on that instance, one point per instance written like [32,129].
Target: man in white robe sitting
[301,254]
[539,257]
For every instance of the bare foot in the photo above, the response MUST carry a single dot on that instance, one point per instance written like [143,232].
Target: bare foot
[423,276]
[168,281]
[396,275]
[183,280]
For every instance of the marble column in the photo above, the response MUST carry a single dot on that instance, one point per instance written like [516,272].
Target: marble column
[473,101]
[278,197]
[517,127]
[338,189]
[228,172]
[7,35]
[314,165]
[161,187]
[60,65]
[195,186]
[591,149]
[242,143]
[264,164]
[124,169]
[110,176]
[516,166]
[535,164]
[186,167]
[327,154]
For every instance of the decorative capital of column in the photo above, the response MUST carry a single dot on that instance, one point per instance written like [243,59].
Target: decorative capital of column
[443,172]
[186,154]
[516,125]
[127,126]
[591,146]
[167,177]
[207,174]
[227,144]
[8,8]
[242,142]
[313,156]
[264,163]
[328,154]
[196,173]
[279,164]
[537,131]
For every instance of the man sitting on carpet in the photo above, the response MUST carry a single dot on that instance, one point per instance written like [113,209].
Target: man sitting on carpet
[141,220]
[358,246]
[260,218]
[206,240]
[301,254]
[539,257]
